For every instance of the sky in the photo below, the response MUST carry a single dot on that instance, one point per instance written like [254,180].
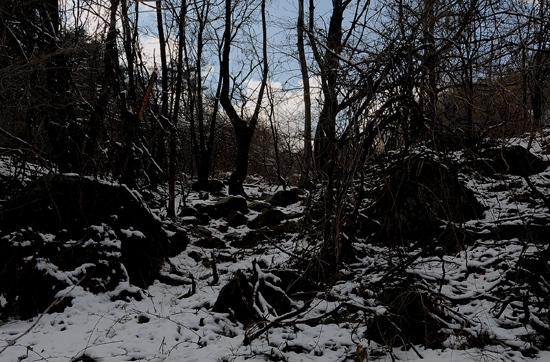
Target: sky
[285,79]
[282,17]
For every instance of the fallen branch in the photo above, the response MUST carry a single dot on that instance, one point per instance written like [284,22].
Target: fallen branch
[277,321]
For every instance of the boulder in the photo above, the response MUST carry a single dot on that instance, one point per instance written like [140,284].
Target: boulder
[210,243]
[231,203]
[289,227]
[236,298]
[236,218]
[223,207]
[188,211]
[214,186]
[514,160]
[203,219]
[419,193]
[269,217]
[285,198]
[412,318]
[209,210]
[249,297]
[200,231]
[250,240]
[522,162]
[59,228]
[259,206]
[234,236]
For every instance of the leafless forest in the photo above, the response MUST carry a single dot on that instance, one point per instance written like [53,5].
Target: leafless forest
[394,122]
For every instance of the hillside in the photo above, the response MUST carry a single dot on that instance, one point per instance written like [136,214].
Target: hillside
[454,270]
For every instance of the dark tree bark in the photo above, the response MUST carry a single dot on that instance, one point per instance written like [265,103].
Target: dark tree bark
[159,152]
[325,135]
[243,130]
[308,154]
[64,136]
[172,166]
[203,140]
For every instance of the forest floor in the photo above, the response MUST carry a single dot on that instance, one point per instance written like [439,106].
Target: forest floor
[488,301]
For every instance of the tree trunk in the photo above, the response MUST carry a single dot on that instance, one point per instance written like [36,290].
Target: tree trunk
[160,142]
[325,136]
[243,134]
[243,130]
[306,168]
[63,134]
[172,165]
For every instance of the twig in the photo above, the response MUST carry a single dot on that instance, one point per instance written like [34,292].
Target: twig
[24,143]
[277,321]
[405,339]
[273,243]
[192,290]
[215,276]
[56,302]
[537,192]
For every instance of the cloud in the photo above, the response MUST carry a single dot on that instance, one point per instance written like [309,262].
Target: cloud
[288,106]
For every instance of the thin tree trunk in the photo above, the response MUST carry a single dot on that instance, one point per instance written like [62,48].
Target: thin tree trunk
[172,166]
[306,168]
[160,143]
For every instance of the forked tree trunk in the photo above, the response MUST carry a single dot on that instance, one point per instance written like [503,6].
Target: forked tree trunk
[243,130]
[325,135]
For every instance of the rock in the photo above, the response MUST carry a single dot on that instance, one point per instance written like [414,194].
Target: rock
[250,240]
[410,319]
[285,198]
[235,298]
[195,255]
[188,211]
[236,218]
[269,217]
[223,207]
[60,227]
[179,237]
[419,194]
[209,210]
[232,236]
[259,206]
[203,219]
[214,186]
[210,243]
[265,196]
[521,162]
[231,203]
[288,227]
[514,160]
[248,298]
[200,231]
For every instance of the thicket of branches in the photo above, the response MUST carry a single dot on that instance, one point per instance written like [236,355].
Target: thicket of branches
[80,94]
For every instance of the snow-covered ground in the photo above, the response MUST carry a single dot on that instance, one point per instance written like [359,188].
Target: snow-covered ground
[485,314]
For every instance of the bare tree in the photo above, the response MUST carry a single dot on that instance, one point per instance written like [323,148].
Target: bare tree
[308,152]
[172,165]
[244,130]
[203,116]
